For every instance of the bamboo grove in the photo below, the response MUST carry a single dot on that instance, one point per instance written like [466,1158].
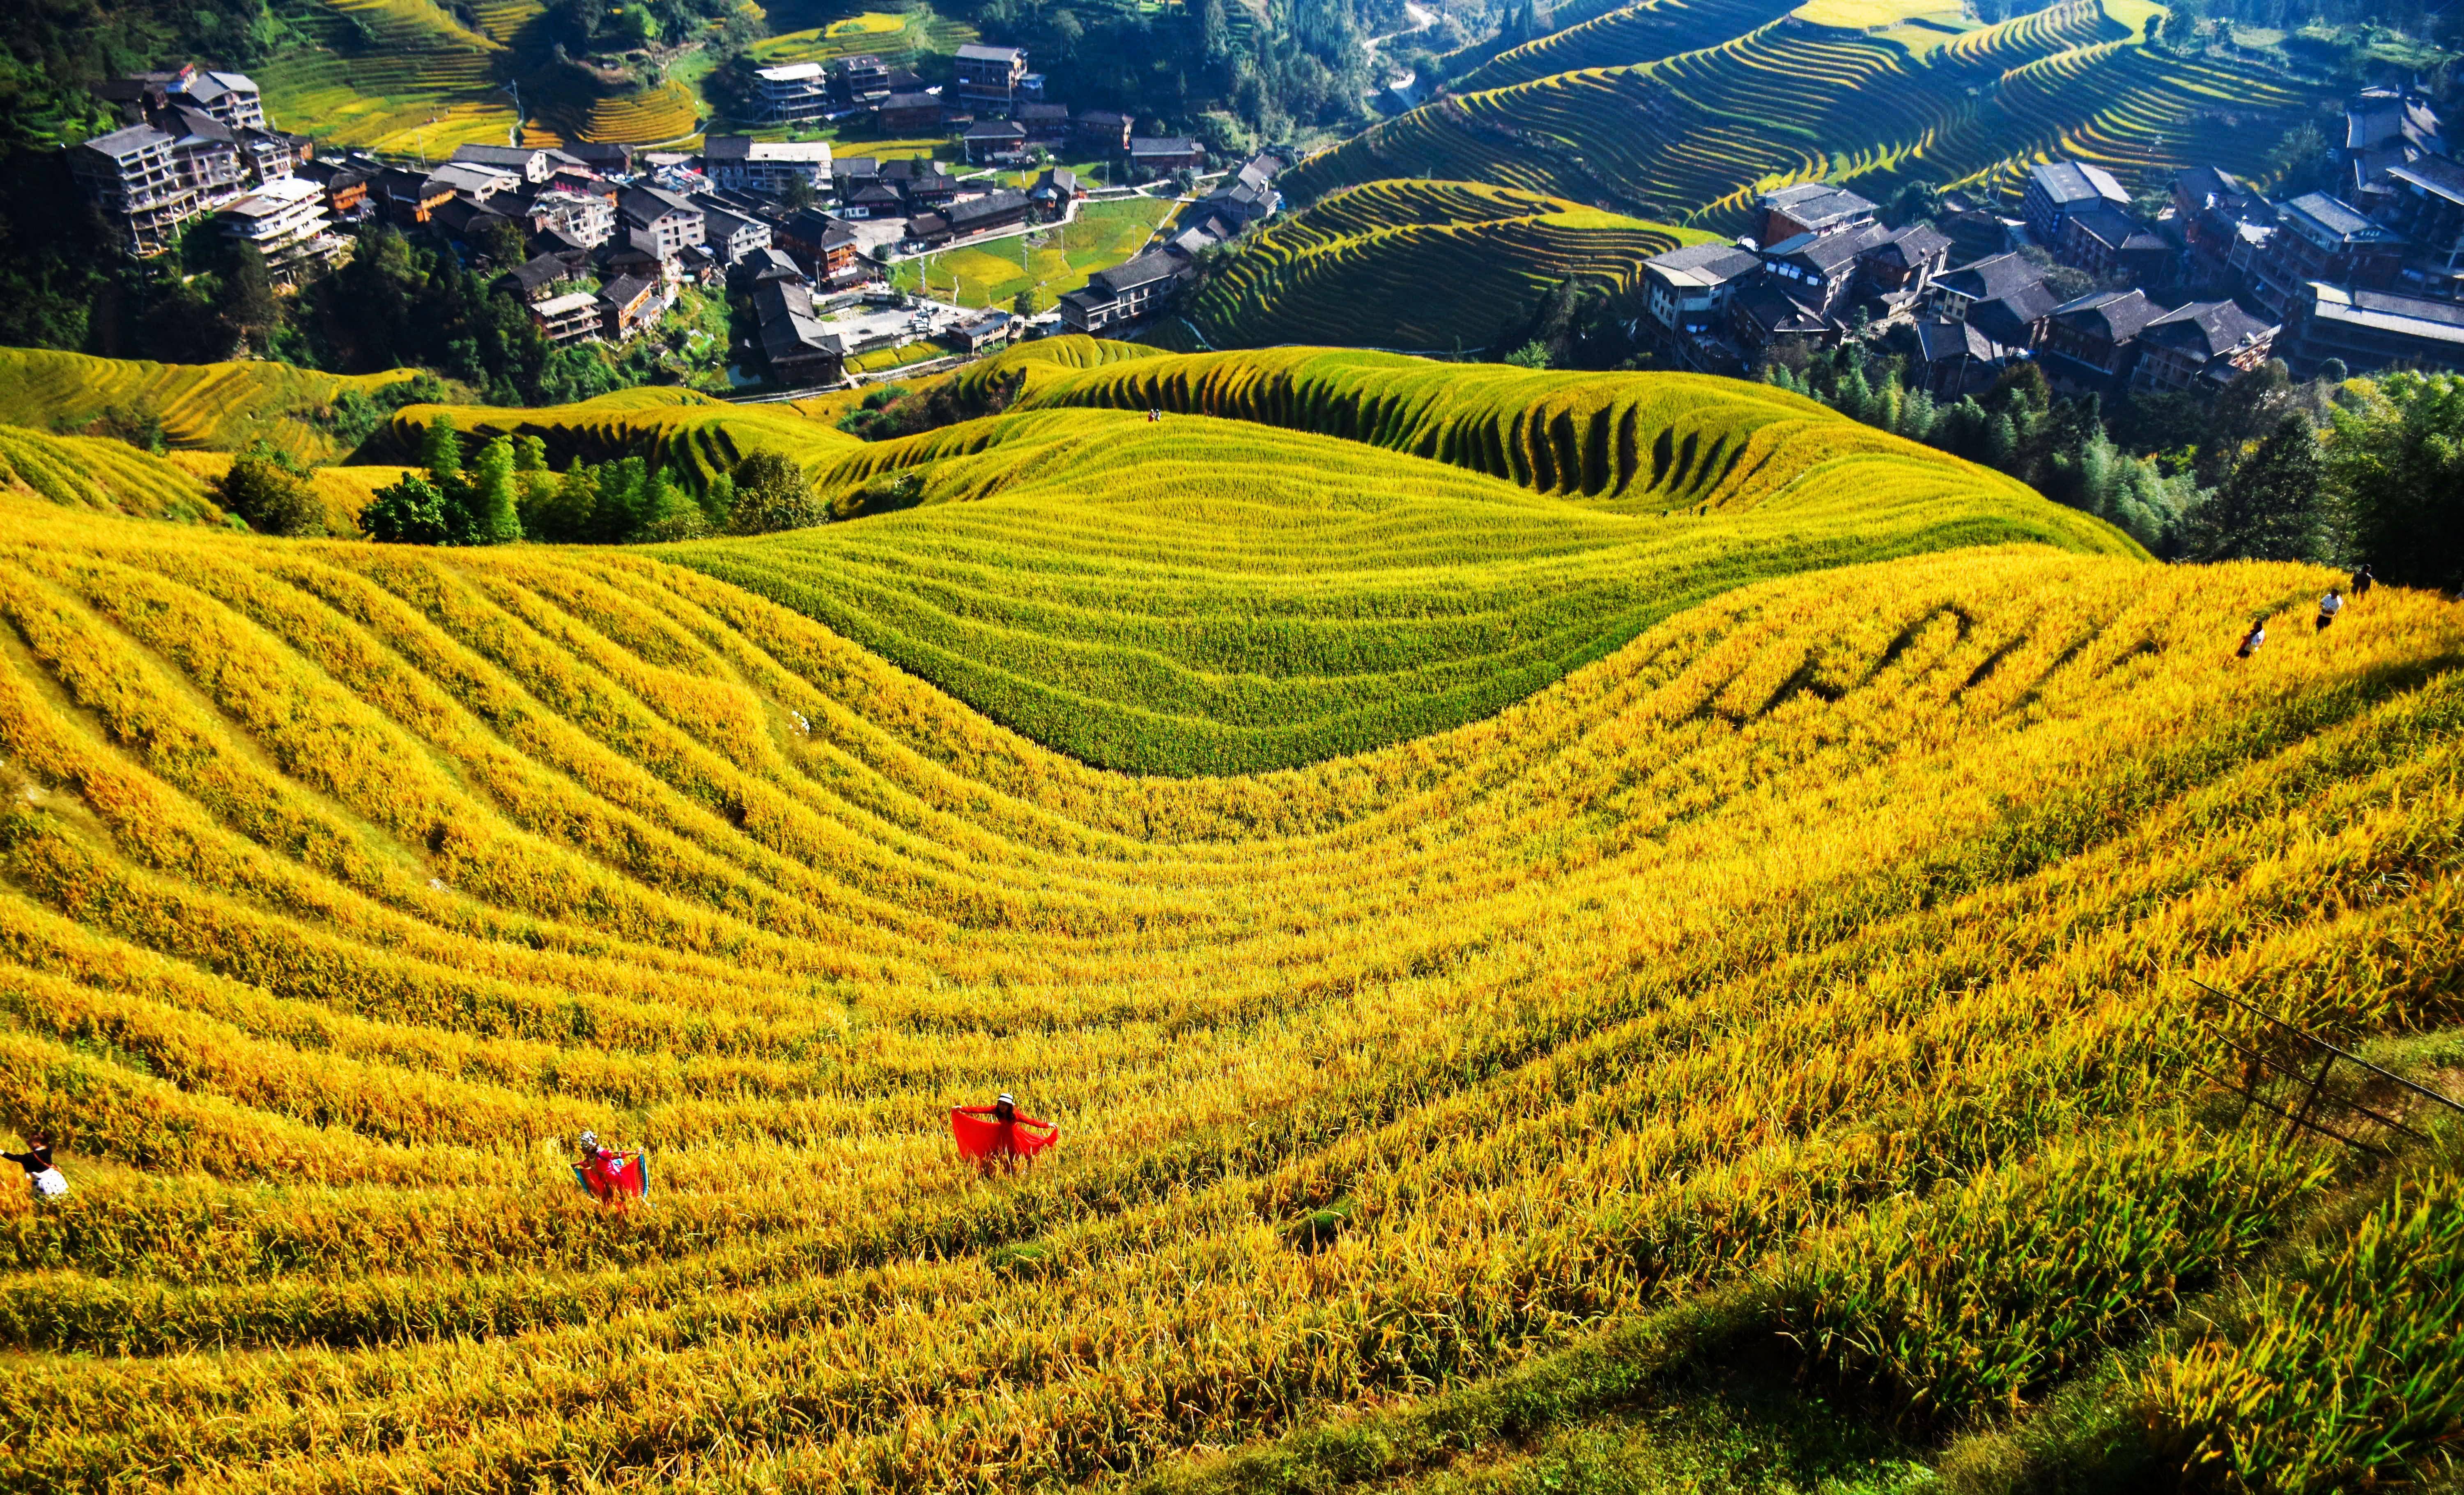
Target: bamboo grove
[1803,937]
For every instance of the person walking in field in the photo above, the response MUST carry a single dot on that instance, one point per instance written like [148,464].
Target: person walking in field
[996,1133]
[2328,606]
[40,1176]
[2363,579]
[2253,639]
[612,1178]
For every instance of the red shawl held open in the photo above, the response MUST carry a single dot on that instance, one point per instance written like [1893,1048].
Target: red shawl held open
[982,1133]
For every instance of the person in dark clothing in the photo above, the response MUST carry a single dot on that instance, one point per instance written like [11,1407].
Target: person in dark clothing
[40,1176]
[2363,579]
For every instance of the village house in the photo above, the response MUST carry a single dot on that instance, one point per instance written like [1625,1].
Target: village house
[630,303]
[1770,310]
[795,346]
[2201,345]
[731,237]
[345,188]
[791,92]
[2058,191]
[574,316]
[863,82]
[1125,292]
[2371,330]
[1103,131]
[584,218]
[535,279]
[1810,207]
[2424,203]
[2091,343]
[902,113]
[988,76]
[2109,244]
[130,176]
[1055,190]
[995,142]
[533,164]
[2319,238]
[977,215]
[737,163]
[822,246]
[408,198]
[658,223]
[1046,125]
[991,330]
[1687,290]
[2005,296]
[2212,206]
[1162,155]
[1954,358]
[285,222]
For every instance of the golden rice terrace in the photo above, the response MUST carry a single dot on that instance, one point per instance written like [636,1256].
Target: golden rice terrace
[1577,929]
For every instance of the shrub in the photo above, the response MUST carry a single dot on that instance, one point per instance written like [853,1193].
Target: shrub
[771,492]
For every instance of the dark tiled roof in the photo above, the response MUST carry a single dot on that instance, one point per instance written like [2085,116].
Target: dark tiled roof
[1152,266]
[2114,315]
[2204,329]
[1991,280]
[1817,204]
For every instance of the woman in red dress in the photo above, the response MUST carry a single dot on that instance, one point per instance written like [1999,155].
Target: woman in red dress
[998,1133]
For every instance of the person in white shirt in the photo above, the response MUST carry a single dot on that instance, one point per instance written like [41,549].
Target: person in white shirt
[2328,606]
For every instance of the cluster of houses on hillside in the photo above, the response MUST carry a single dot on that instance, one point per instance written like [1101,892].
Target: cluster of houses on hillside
[194,144]
[993,104]
[607,238]
[2210,286]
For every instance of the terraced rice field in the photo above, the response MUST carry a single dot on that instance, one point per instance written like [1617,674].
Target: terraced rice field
[693,435]
[897,38]
[1798,972]
[646,117]
[1361,266]
[405,75]
[219,405]
[101,473]
[1690,135]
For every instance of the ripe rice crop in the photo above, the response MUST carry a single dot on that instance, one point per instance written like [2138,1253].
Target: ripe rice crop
[1357,266]
[1689,134]
[695,435]
[219,405]
[1723,966]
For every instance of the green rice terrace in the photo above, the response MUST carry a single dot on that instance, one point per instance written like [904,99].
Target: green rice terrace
[1680,111]
[1359,266]
[1582,934]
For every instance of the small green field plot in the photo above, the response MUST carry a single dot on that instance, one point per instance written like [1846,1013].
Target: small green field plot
[880,360]
[1876,16]
[1058,258]
[894,36]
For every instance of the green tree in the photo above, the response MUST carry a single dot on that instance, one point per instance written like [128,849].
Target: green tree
[440,450]
[410,512]
[2397,463]
[269,489]
[493,518]
[772,493]
[2274,508]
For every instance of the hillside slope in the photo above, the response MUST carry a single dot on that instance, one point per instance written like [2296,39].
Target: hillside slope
[1360,265]
[1797,980]
[341,883]
[222,406]
[1638,111]
[1201,596]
